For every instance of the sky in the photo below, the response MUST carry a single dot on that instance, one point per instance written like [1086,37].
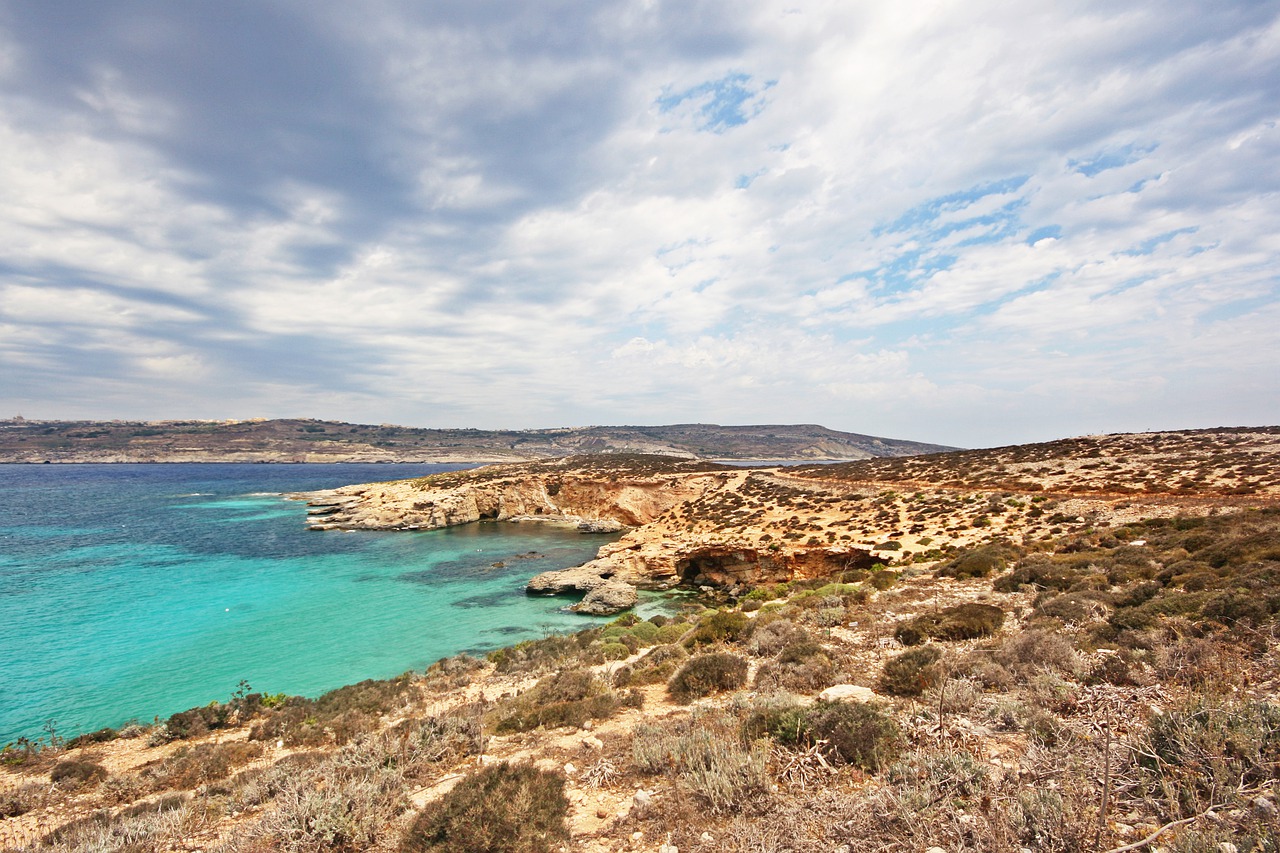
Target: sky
[961,221]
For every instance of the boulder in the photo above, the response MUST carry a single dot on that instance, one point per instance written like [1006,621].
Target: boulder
[848,693]
[608,598]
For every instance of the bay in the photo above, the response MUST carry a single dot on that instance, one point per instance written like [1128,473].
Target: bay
[131,591]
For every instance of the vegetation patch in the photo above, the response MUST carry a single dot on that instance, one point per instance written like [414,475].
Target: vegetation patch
[503,808]
[706,674]
[962,622]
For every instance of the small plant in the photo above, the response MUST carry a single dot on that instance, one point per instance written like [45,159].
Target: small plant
[708,753]
[74,774]
[504,808]
[707,674]
[863,735]
[911,672]
[719,626]
[961,622]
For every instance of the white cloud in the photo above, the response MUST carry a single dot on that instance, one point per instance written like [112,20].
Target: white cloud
[859,251]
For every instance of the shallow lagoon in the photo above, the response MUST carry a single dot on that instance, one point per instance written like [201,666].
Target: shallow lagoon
[128,591]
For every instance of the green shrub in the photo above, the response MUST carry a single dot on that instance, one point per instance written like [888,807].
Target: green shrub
[671,632]
[657,665]
[883,579]
[909,673]
[707,674]
[503,808]
[961,622]
[856,733]
[1237,607]
[615,651]
[977,563]
[645,632]
[719,626]
[100,736]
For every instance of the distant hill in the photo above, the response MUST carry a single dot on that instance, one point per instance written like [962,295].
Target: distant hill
[301,440]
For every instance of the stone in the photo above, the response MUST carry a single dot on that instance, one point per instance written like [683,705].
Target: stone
[1263,807]
[935,850]
[569,769]
[848,693]
[593,743]
[642,799]
[608,598]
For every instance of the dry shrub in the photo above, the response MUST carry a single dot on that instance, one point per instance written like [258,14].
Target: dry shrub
[73,774]
[960,622]
[567,698]
[911,672]
[708,753]
[707,674]
[1201,663]
[503,808]
[157,828]
[452,673]
[24,798]
[1074,608]
[192,766]
[1035,651]
[804,666]
[773,636]
[416,746]
[1198,753]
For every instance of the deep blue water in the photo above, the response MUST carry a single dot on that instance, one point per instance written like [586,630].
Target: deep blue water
[129,591]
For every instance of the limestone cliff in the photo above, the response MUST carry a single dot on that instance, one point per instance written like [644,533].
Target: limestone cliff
[648,496]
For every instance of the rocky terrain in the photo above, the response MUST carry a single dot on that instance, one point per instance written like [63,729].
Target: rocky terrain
[298,440]
[732,528]
[1060,647]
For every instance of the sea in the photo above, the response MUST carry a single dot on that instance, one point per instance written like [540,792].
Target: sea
[129,592]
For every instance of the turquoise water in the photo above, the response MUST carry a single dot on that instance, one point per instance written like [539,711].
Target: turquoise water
[129,591]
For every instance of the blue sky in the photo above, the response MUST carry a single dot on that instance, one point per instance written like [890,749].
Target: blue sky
[962,222]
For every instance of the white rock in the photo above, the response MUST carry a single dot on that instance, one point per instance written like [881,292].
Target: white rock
[642,798]
[1138,542]
[935,850]
[1227,847]
[668,848]
[593,742]
[569,769]
[1264,807]
[847,693]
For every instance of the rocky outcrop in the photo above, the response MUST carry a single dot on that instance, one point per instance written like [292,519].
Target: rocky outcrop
[659,508]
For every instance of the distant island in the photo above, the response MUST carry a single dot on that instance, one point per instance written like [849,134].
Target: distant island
[304,440]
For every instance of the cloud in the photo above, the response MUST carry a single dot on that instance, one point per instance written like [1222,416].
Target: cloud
[950,222]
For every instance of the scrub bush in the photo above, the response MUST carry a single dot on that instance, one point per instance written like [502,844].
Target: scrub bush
[707,674]
[909,673]
[504,808]
[961,622]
